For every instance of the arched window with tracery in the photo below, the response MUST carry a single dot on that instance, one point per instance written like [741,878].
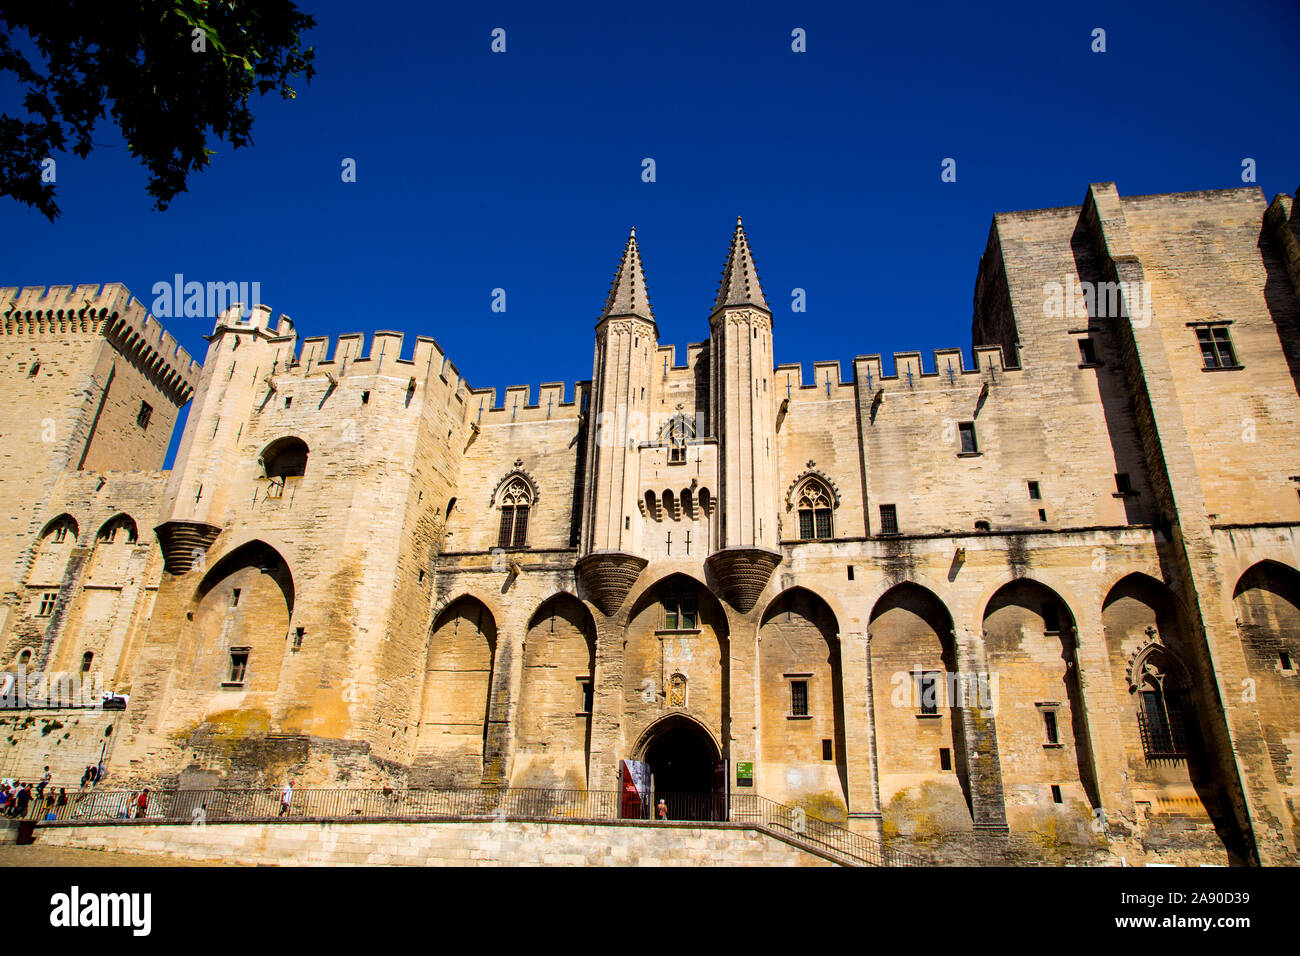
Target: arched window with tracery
[516,500]
[677,431]
[1165,718]
[60,530]
[118,530]
[816,505]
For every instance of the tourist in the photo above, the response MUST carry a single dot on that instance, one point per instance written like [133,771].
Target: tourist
[662,809]
[285,796]
[45,781]
[142,804]
[20,803]
[62,801]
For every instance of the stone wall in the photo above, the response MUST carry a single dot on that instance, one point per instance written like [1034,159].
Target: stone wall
[441,844]
[67,741]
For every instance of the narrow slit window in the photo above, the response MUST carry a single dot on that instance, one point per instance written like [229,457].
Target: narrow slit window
[1049,727]
[927,688]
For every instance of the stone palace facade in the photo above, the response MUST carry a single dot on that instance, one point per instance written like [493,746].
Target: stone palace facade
[1045,606]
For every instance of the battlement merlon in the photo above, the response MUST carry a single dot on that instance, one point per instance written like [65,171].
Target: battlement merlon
[349,355]
[694,350]
[518,408]
[949,368]
[258,318]
[791,374]
[111,311]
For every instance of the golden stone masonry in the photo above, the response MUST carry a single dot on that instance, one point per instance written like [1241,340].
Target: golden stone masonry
[1042,609]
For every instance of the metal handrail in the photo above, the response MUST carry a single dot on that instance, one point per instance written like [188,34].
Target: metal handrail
[499,804]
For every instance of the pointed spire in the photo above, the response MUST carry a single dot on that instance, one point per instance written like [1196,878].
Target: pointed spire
[740,285]
[628,294]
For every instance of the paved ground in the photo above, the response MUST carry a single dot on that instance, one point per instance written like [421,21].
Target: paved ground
[37,855]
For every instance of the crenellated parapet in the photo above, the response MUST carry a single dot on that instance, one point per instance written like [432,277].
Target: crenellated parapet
[949,369]
[109,311]
[825,380]
[294,359]
[517,405]
[665,362]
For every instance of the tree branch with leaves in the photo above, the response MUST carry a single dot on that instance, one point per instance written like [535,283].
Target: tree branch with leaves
[170,74]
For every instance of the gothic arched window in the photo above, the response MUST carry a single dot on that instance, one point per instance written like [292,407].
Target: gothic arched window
[57,531]
[284,460]
[677,431]
[120,530]
[815,504]
[516,499]
[1164,707]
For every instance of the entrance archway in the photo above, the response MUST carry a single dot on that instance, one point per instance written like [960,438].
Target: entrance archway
[686,768]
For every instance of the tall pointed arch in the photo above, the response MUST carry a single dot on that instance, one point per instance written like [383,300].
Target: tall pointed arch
[451,741]
[1154,673]
[920,725]
[802,723]
[1031,641]
[556,696]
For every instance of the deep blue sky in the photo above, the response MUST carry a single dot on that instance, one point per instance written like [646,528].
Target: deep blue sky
[523,170]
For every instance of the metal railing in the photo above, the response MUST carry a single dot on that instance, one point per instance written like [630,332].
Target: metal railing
[475,803]
[813,832]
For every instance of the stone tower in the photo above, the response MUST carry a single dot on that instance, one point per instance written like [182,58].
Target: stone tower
[243,358]
[742,418]
[622,394]
[99,384]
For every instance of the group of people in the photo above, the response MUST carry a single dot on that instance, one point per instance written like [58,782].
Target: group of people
[18,797]
[39,800]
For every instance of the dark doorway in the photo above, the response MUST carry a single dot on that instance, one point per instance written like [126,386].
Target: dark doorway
[684,763]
